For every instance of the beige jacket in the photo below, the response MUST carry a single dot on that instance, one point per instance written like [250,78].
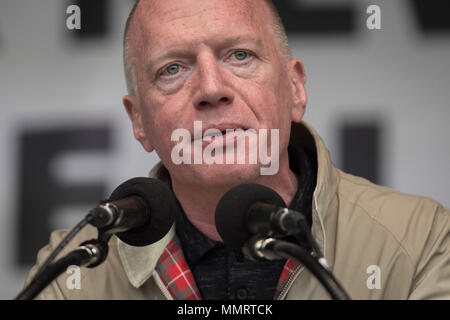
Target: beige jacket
[367,232]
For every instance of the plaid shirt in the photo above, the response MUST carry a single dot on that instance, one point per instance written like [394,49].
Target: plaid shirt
[177,277]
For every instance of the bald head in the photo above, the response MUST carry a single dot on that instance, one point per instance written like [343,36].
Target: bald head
[142,9]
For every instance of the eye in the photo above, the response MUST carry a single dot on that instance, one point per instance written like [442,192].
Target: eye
[240,55]
[171,70]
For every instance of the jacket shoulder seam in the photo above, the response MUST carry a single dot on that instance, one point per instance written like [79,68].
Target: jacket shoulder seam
[411,260]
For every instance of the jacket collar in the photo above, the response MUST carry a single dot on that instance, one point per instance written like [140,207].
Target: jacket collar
[326,184]
[139,262]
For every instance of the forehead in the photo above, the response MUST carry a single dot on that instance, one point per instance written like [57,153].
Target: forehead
[160,23]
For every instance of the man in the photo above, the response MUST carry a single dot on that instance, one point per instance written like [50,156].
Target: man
[227,65]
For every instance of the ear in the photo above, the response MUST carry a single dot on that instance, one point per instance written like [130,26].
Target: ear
[133,109]
[297,79]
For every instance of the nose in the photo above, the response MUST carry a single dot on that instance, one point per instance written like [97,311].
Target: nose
[212,91]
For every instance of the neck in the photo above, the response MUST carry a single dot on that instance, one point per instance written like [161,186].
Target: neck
[200,206]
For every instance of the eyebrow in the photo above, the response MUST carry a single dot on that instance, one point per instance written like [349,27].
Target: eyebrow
[227,42]
[183,50]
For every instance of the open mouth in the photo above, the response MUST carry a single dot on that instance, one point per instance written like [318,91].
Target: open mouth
[214,132]
[217,133]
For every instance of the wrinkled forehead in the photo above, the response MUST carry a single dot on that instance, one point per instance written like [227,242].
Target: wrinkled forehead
[157,23]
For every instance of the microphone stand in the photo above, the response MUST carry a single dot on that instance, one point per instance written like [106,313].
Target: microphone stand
[90,254]
[260,247]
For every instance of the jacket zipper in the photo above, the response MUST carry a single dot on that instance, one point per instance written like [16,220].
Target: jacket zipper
[161,286]
[297,272]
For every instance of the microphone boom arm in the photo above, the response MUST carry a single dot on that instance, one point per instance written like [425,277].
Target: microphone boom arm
[90,254]
[260,247]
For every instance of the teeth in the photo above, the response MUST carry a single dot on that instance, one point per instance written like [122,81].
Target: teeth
[216,134]
[213,134]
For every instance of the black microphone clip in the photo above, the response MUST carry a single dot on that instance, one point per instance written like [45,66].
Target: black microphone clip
[120,215]
[274,221]
[260,247]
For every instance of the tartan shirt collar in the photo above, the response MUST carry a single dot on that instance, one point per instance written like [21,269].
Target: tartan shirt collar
[178,279]
[175,273]
[167,259]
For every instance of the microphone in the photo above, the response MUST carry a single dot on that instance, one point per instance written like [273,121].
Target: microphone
[253,209]
[139,211]
[249,217]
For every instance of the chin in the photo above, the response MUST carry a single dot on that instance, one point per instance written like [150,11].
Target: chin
[226,175]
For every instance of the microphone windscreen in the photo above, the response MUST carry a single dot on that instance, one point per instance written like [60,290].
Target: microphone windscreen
[160,204]
[232,209]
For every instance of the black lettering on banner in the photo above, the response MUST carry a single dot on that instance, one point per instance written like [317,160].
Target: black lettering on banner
[302,18]
[360,144]
[432,15]
[39,193]
[95,19]
[299,17]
